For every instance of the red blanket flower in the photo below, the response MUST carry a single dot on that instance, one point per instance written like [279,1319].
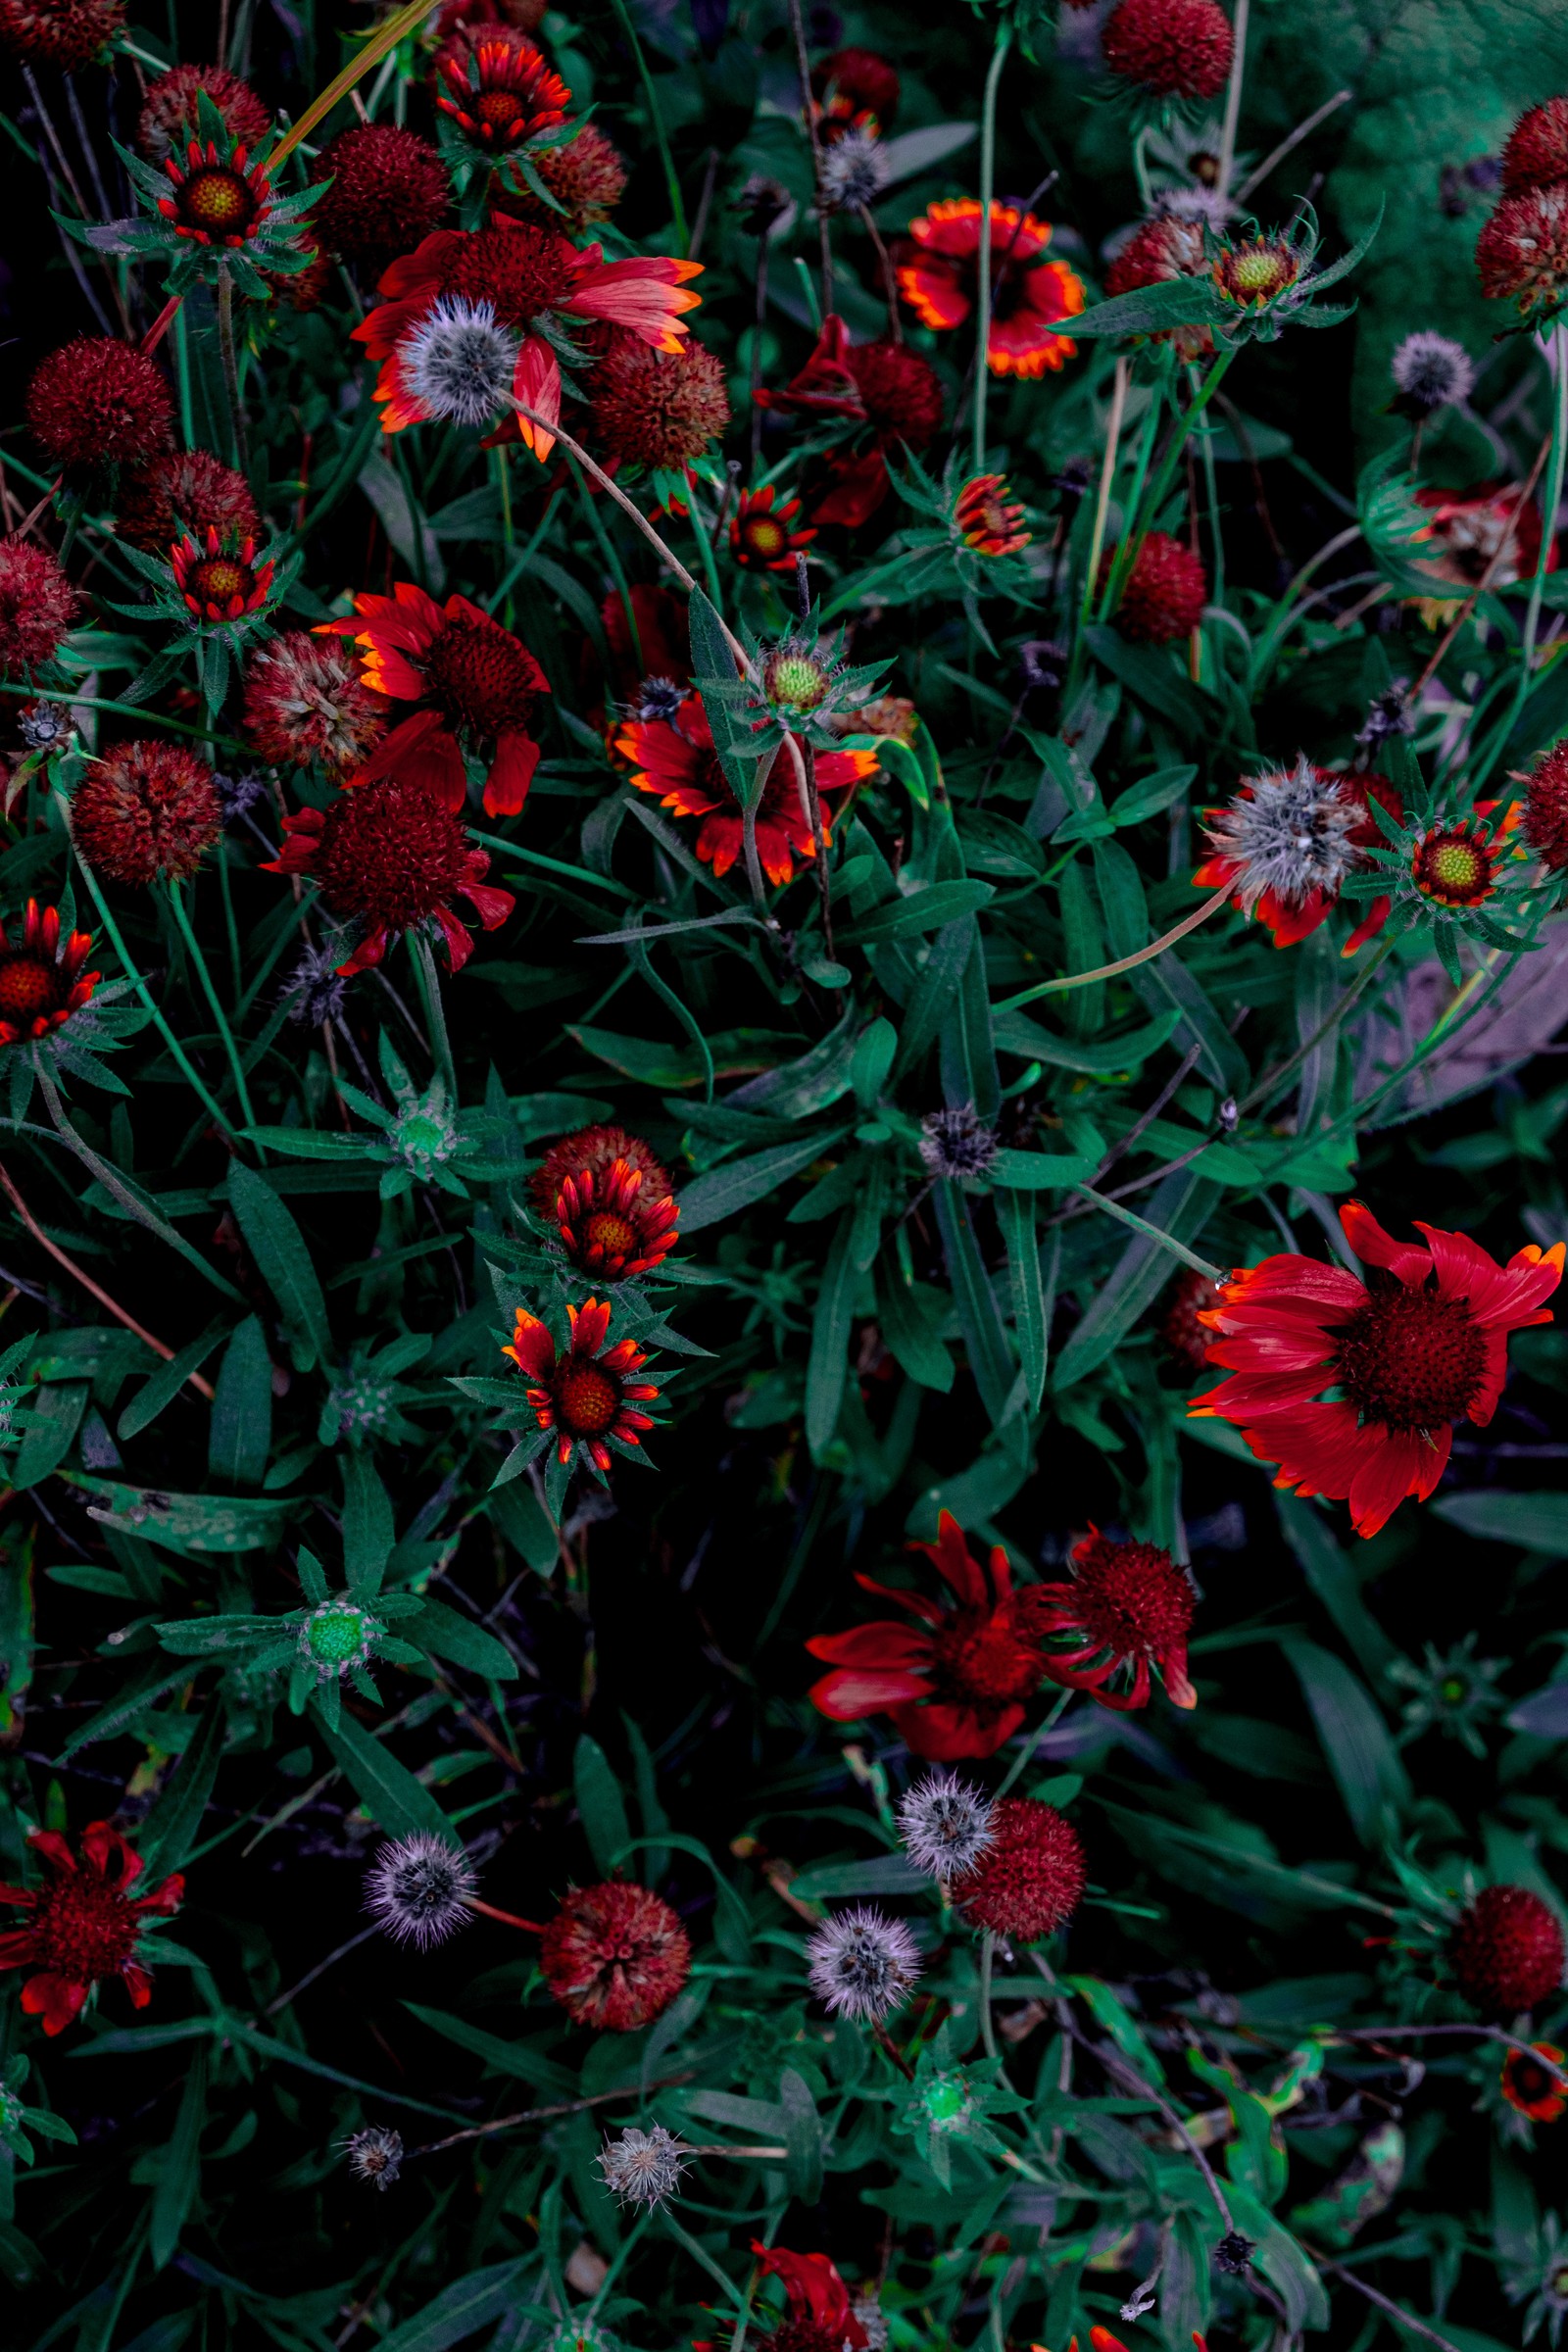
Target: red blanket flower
[1029,295]
[675,759]
[85,1925]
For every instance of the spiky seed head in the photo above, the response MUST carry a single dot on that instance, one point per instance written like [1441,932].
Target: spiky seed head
[945,1824]
[459,360]
[957,1143]
[1289,831]
[642,2168]
[855,171]
[376,2155]
[862,1964]
[1432,372]
[419,1888]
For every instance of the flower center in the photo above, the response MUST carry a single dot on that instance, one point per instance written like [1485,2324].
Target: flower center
[1255,272]
[421,1139]
[481,676]
[796,681]
[612,1237]
[497,115]
[1531,2081]
[1410,1359]
[946,2101]
[28,985]
[981,1662]
[336,1635]
[219,580]
[1455,870]
[1133,1600]
[521,269]
[586,1397]
[218,202]
[83,1929]
[765,537]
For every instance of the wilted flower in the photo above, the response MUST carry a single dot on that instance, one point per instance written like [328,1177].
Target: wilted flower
[39,605]
[1536,150]
[945,1824]
[1522,252]
[316,988]
[1432,372]
[376,2155]
[642,2168]
[99,401]
[1546,816]
[66,34]
[306,703]
[419,1888]
[169,114]
[1286,834]
[656,409]
[855,171]
[145,813]
[389,857]
[586,176]
[862,1964]
[956,1144]
[1234,2254]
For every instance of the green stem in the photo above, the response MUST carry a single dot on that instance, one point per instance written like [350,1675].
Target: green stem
[226,345]
[678,210]
[182,920]
[1026,1754]
[429,985]
[1151,1233]
[988,177]
[187,414]
[709,562]
[1549,525]
[525,555]
[1127,545]
[612,557]
[90,702]
[226,888]
[988,2023]
[549,865]
[1155,497]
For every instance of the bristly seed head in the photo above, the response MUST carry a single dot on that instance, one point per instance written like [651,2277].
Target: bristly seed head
[862,1964]
[855,171]
[642,2168]
[957,1143]
[459,360]
[417,1890]
[1289,831]
[316,988]
[659,698]
[945,1824]
[1234,2254]
[1432,372]
[375,2154]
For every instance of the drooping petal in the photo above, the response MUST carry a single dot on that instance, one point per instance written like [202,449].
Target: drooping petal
[536,382]
[517,755]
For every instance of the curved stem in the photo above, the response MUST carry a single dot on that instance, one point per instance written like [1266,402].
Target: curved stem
[1549,524]
[182,918]
[508,1919]
[1233,98]
[988,2023]
[1108,474]
[988,177]
[808,110]
[1153,1232]
[1109,971]
[384,38]
[429,980]
[226,344]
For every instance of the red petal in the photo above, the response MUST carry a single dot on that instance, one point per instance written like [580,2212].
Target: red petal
[511,774]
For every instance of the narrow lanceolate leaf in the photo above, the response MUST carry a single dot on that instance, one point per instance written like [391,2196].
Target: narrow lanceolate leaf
[394,1800]
[827,1367]
[725,1191]
[180,2172]
[278,1246]
[990,1357]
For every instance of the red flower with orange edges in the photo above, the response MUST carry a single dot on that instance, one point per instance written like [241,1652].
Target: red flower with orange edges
[1533,2088]
[1029,297]
[988,521]
[85,1925]
[476,686]
[499,88]
[218,199]
[522,273]
[821,2318]
[1423,1342]
[1128,1608]
[759,535]
[219,582]
[675,758]
[585,1395]
[1290,920]
[616,1217]
[41,980]
[391,858]
[957,1682]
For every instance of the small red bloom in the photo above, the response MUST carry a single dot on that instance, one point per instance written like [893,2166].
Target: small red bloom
[145,813]
[615,1956]
[1031,1876]
[853,85]
[221,581]
[68,33]
[821,2316]
[1536,150]
[610,1200]
[184,490]
[1546,818]
[883,386]
[1029,296]
[655,408]
[1455,865]
[99,401]
[1175,48]
[305,703]
[1421,1345]
[476,685]
[675,759]
[389,189]
[1192,1296]
[1506,1953]
[39,605]
[988,523]
[498,87]
[1522,252]
[41,979]
[170,111]
[1291,919]
[584,1395]
[391,858]
[1163,594]
[220,197]
[586,176]
[1534,2088]
[1256,272]
[956,1684]
[1161,250]
[1128,1608]
[759,535]
[86,1925]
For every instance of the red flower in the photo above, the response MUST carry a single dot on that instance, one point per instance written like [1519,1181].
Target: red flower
[586,176]
[1031,1876]
[526,15]
[655,408]
[1176,48]
[988,523]
[1468,528]
[661,650]
[1162,249]
[855,87]
[84,1924]
[184,490]
[761,538]
[1029,296]
[219,582]
[1129,1607]
[1546,818]
[1163,594]
[955,1687]
[1522,252]
[584,1395]
[675,759]
[99,401]
[41,980]
[1537,151]
[884,386]
[1192,1295]
[475,684]
[146,812]
[821,2318]
[522,273]
[610,1200]
[498,87]
[391,858]
[388,188]
[615,1956]
[1421,1345]
[1506,1953]
[218,199]
[1536,2090]
[1290,920]
[39,605]
[170,111]
[68,33]
[305,704]
[1455,865]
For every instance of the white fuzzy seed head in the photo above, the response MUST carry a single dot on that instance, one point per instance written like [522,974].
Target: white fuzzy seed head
[417,1890]
[855,171]
[862,1964]
[458,361]
[642,2168]
[945,1824]
[1432,372]
[376,2155]
[1288,833]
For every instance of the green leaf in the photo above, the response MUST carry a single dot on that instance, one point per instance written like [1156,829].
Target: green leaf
[600,1806]
[180,2172]
[1111,2011]
[827,1367]
[746,770]
[909,1320]
[881,1873]
[1016,1213]
[278,1248]
[1150,309]
[524,2061]
[190,1523]
[985,1337]
[802,2136]
[171,1829]
[1181,1207]
[1334,1580]
[1539,1522]
[240,1433]
[55,1415]
[1362,1755]
[1151,798]
[460,2310]
[1040,1171]
[369,1527]
[725,1191]
[165,1385]
[389,1792]
[926,909]
[448,1634]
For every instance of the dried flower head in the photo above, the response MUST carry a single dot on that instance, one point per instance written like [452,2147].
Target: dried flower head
[615,1956]
[1288,832]
[99,401]
[586,176]
[65,33]
[1031,1876]
[376,2155]
[316,988]
[862,1964]
[855,170]
[642,2168]
[1234,2254]
[1166,247]
[146,812]
[1187,1338]
[170,118]
[1163,594]
[1522,252]
[38,606]
[184,490]
[389,189]
[1172,48]
[945,1825]
[1546,817]
[956,1144]
[1536,150]
[305,704]
[459,360]
[655,408]
[1432,372]
[418,1889]
[1506,1951]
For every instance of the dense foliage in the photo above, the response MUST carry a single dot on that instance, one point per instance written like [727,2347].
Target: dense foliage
[740,965]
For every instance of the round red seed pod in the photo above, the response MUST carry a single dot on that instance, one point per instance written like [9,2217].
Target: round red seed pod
[1536,150]
[99,401]
[1173,48]
[586,174]
[1031,1876]
[172,113]
[145,813]
[37,605]
[900,392]
[615,1956]
[68,33]
[1522,252]
[1546,822]
[305,704]
[184,490]
[1506,1953]
[1188,1340]
[1164,593]
[656,408]
[389,190]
